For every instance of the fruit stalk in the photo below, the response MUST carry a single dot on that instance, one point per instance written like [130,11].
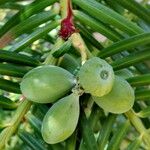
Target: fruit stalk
[68,30]
[79,45]
[139,126]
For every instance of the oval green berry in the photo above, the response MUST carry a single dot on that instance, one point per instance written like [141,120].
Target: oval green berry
[61,119]
[119,100]
[46,84]
[96,77]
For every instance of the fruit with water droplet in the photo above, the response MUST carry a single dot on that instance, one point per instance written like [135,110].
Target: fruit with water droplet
[96,77]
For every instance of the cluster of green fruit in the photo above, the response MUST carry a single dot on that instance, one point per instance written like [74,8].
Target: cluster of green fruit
[48,83]
[111,92]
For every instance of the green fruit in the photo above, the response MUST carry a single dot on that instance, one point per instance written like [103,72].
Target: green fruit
[61,119]
[46,84]
[119,100]
[124,73]
[96,77]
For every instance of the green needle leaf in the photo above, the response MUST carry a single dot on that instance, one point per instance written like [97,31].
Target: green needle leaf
[135,144]
[20,59]
[62,49]
[32,141]
[144,113]
[9,86]
[28,11]
[35,123]
[87,133]
[142,94]
[3,2]
[105,131]
[89,37]
[118,136]
[12,70]
[6,103]
[127,44]
[139,80]
[12,5]
[131,59]
[38,33]
[108,16]
[24,26]
[97,26]
[136,8]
